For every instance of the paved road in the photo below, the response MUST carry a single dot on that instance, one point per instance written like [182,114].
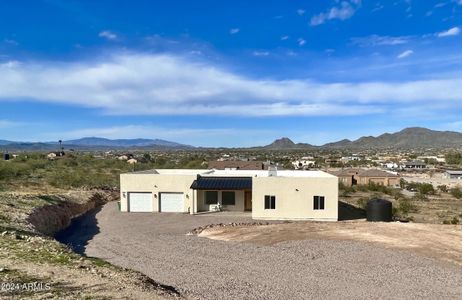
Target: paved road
[156,245]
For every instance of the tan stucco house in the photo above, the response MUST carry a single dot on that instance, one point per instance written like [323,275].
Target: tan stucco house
[269,195]
[351,177]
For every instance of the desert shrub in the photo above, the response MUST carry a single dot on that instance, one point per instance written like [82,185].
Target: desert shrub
[362,202]
[425,189]
[443,188]
[402,183]
[456,192]
[453,221]
[405,206]
[454,158]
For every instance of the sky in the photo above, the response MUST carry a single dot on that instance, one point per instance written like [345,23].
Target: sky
[228,73]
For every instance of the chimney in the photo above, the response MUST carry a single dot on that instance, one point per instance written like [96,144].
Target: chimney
[272,171]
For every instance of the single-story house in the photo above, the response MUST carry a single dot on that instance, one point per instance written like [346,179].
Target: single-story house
[453,174]
[270,195]
[415,164]
[350,177]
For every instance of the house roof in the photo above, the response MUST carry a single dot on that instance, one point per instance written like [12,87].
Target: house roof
[454,172]
[363,173]
[222,183]
[376,173]
[236,164]
[415,163]
[235,173]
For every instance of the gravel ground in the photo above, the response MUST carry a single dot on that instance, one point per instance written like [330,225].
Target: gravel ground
[156,245]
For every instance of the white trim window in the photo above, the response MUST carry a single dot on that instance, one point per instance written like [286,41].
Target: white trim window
[318,202]
[270,202]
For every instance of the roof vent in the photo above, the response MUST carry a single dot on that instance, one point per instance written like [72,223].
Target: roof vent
[272,171]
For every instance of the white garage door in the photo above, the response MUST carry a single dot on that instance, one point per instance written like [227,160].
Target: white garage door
[140,202]
[171,202]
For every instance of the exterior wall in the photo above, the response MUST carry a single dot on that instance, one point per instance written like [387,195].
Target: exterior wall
[294,198]
[201,206]
[156,184]
[346,180]
[386,181]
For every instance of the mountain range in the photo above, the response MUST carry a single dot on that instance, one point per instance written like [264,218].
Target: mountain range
[95,143]
[413,137]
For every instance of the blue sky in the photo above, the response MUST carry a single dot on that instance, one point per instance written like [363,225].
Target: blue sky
[228,73]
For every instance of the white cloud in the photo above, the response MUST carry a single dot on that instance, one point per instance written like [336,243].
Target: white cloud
[234,30]
[284,37]
[344,11]
[108,35]
[405,54]
[377,40]
[160,84]
[450,32]
[300,12]
[261,53]
[301,42]
[10,124]
[10,42]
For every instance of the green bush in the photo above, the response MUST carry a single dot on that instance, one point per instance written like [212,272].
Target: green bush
[456,192]
[425,189]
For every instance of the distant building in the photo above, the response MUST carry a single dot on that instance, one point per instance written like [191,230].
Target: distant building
[351,177]
[303,164]
[453,174]
[237,165]
[132,161]
[415,164]
[390,165]
[55,155]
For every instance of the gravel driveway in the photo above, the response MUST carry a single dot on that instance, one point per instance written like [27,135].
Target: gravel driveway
[156,245]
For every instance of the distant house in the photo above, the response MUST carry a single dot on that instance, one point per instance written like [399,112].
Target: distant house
[453,174]
[237,165]
[414,164]
[351,177]
[132,161]
[303,164]
[55,155]
[125,157]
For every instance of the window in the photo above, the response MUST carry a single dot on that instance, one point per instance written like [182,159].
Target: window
[228,198]
[211,197]
[318,202]
[270,202]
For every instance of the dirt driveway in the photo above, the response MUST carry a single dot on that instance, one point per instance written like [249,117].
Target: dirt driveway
[203,268]
[442,242]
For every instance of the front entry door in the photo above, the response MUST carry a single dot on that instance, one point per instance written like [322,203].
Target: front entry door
[248,201]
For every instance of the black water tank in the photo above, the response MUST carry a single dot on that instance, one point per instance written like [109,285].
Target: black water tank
[379,210]
[6,156]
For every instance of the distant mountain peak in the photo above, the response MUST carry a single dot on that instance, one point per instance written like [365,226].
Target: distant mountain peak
[282,143]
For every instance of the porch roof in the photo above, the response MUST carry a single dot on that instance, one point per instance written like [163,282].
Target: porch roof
[222,183]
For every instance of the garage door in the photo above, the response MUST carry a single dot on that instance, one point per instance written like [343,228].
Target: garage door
[140,202]
[171,202]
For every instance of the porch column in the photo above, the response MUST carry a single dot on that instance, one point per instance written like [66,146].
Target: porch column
[194,202]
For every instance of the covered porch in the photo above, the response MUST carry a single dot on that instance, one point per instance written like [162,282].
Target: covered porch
[222,194]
